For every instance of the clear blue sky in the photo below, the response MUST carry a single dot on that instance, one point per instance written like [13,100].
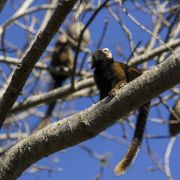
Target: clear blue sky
[77,164]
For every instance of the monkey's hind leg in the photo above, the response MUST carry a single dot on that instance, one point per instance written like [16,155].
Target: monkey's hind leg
[116,87]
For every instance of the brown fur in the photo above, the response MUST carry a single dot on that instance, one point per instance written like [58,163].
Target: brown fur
[109,77]
[62,57]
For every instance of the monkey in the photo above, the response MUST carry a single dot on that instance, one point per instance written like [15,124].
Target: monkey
[174,120]
[62,57]
[74,32]
[110,76]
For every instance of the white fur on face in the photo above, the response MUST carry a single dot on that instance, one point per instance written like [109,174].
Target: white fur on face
[102,54]
[107,53]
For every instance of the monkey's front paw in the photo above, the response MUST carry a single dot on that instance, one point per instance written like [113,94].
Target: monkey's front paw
[122,85]
[113,92]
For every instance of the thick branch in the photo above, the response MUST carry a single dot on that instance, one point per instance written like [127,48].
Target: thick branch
[2,4]
[32,55]
[52,96]
[88,123]
[16,61]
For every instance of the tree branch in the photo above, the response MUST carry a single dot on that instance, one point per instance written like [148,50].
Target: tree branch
[154,52]
[31,56]
[52,96]
[88,123]
[2,4]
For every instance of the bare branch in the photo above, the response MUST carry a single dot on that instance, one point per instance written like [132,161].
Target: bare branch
[2,4]
[53,95]
[31,56]
[157,51]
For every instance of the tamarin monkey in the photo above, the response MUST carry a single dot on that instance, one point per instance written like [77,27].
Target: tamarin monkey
[109,77]
[174,121]
[62,57]
[74,32]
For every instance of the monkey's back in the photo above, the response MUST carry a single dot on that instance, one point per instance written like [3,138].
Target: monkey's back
[107,74]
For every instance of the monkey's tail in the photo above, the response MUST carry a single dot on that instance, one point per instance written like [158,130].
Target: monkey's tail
[50,108]
[133,149]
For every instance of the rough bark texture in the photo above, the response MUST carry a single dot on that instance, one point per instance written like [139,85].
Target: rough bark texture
[88,123]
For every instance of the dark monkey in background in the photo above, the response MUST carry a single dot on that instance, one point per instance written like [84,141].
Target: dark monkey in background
[62,58]
[109,77]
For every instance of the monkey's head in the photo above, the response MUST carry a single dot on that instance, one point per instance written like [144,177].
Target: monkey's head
[62,39]
[74,31]
[101,56]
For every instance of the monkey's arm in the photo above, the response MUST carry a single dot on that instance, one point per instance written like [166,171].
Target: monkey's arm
[118,77]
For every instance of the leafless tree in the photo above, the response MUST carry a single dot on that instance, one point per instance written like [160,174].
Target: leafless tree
[25,77]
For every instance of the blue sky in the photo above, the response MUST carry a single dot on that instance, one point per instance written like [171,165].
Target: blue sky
[76,163]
